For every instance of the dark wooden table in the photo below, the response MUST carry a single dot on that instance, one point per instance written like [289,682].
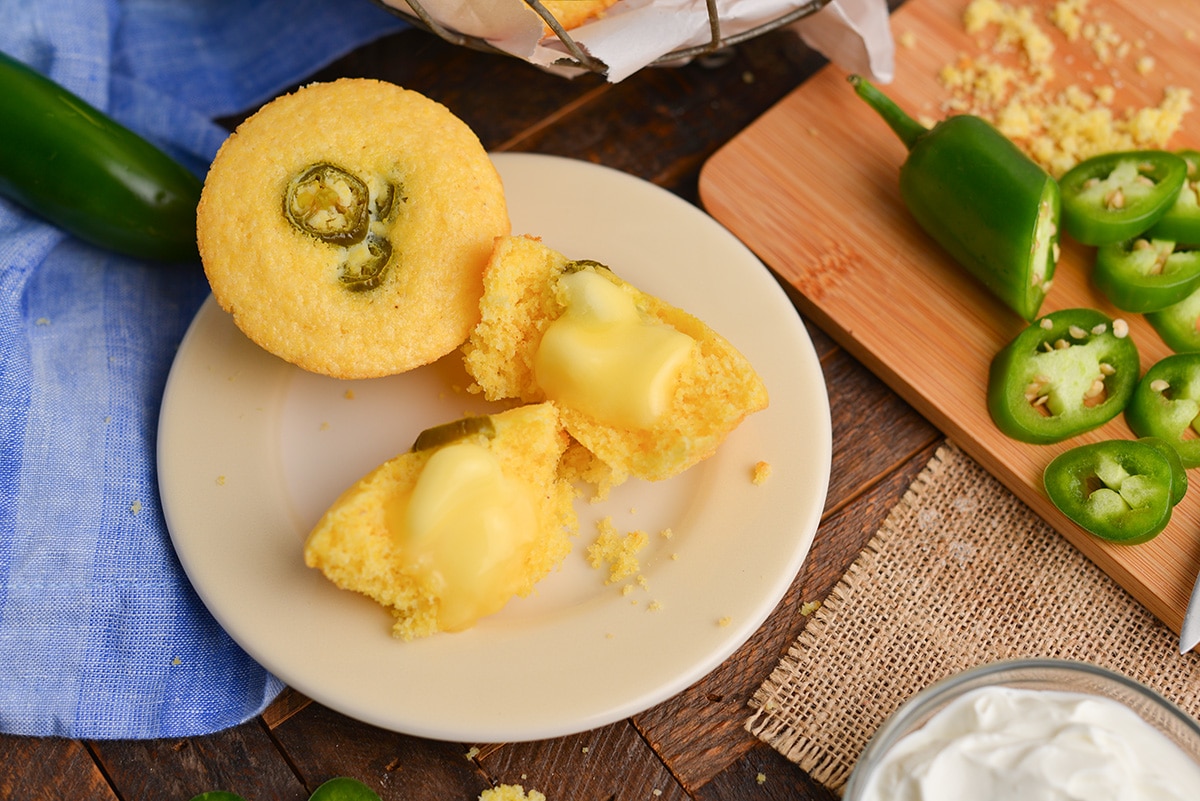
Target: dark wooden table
[660,124]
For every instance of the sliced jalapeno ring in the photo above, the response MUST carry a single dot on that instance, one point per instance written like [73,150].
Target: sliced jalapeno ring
[1069,372]
[1146,275]
[1179,324]
[1117,196]
[329,203]
[453,431]
[1118,490]
[1181,222]
[366,264]
[1166,404]
[577,265]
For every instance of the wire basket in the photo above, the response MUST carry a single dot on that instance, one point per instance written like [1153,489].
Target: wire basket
[578,58]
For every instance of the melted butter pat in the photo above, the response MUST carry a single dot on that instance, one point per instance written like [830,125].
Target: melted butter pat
[605,359]
[469,526]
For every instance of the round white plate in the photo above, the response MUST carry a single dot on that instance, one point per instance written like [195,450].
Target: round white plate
[252,450]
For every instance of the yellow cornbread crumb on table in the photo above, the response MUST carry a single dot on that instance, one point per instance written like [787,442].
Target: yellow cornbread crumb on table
[1058,124]
[445,535]
[345,228]
[510,792]
[647,388]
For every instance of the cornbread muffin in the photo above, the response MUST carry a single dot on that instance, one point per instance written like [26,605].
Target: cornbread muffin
[647,388]
[345,227]
[449,532]
[573,13]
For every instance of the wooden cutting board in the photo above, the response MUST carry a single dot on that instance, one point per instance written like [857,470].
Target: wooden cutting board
[811,187]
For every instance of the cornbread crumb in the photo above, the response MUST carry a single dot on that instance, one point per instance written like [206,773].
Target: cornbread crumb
[135,507]
[654,606]
[349,395]
[761,778]
[907,40]
[724,622]
[1057,126]
[510,792]
[762,471]
[666,533]
[220,481]
[808,607]
[472,752]
[619,553]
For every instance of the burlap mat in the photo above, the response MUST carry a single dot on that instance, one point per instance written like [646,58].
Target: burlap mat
[962,573]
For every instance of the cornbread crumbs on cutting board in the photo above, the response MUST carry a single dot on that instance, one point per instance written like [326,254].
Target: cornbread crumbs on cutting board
[510,792]
[1015,82]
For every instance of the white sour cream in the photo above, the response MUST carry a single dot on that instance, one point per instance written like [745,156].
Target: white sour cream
[1007,744]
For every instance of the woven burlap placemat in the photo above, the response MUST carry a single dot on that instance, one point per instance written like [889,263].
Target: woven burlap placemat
[961,573]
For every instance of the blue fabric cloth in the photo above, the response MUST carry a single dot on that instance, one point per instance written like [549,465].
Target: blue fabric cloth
[101,635]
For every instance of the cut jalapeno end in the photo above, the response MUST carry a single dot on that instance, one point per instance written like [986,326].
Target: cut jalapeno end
[328,203]
[453,431]
[1118,196]
[1069,372]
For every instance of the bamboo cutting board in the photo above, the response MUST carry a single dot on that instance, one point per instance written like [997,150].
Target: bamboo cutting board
[812,188]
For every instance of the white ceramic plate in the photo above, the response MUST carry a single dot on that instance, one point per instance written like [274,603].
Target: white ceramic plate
[252,450]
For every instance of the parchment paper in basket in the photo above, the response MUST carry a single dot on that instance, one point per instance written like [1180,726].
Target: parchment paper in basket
[633,33]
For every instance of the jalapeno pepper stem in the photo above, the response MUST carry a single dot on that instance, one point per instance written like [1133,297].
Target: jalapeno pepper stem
[908,129]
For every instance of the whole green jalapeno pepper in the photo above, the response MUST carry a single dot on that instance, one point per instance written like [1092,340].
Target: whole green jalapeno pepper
[1117,196]
[1067,373]
[1146,275]
[1118,490]
[81,170]
[1181,221]
[990,206]
[1166,404]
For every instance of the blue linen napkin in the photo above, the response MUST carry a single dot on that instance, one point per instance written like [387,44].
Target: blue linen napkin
[101,635]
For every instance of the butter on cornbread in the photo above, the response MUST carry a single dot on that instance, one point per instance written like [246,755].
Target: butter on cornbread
[345,228]
[664,401]
[445,535]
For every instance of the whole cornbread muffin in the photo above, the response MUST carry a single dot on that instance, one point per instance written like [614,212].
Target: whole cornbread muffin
[646,388]
[345,228]
[450,531]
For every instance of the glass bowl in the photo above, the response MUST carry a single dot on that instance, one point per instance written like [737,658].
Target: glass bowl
[1027,674]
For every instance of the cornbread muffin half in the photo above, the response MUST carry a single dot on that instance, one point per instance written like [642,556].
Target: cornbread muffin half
[449,532]
[647,388]
[346,226]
